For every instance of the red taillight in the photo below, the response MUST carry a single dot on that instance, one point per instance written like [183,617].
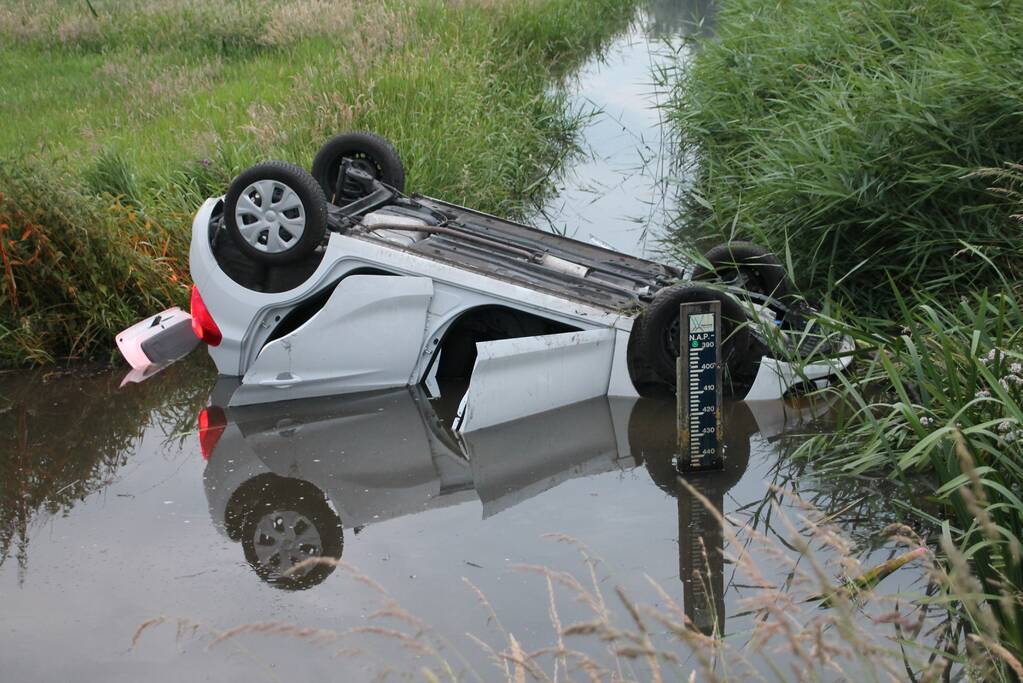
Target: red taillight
[202,322]
[212,422]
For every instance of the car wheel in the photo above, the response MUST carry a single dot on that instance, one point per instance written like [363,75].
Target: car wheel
[365,151]
[644,379]
[289,523]
[276,213]
[747,266]
[658,341]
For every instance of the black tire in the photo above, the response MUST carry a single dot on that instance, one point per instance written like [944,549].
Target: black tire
[653,440]
[280,502]
[749,266]
[369,152]
[646,382]
[312,208]
[658,343]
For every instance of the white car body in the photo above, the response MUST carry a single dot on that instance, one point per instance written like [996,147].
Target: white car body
[385,320]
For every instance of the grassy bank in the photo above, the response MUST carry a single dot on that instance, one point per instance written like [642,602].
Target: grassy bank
[939,406]
[849,134]
[868,144]
[119,118]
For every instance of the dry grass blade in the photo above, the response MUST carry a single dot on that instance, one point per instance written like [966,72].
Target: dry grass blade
[1000,652]
[276,628]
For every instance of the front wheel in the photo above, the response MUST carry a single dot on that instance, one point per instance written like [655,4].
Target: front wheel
[658,343]
[276,213]
[747,266]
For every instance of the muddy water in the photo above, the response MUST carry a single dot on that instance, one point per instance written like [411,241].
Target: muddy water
[115,510]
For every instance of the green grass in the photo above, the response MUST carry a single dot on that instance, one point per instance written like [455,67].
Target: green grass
[859,141]
[940,404]
[847,132]
[161,102]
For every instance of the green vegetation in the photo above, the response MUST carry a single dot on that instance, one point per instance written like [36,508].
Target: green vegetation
[78,267]
[859,141]
[848,134]
[942,404]
[121,117]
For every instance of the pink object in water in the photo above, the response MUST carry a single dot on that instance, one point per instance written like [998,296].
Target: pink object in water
[160,338]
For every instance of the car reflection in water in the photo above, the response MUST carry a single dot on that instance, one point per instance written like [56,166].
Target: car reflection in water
[286,479]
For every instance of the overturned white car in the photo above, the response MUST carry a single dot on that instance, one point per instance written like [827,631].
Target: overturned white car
[300,295]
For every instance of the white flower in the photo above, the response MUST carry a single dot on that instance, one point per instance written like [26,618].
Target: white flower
[1016,368]
[926,421]
[983,393]
[1004,425]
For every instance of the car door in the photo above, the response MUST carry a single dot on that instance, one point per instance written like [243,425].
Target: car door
[368,335]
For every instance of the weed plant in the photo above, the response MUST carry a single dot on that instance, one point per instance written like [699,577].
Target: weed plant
[77,267]
[944,398]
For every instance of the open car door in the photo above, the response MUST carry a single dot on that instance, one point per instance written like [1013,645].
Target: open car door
[515,378]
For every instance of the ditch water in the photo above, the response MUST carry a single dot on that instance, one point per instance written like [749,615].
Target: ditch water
[115,511]
[618,191]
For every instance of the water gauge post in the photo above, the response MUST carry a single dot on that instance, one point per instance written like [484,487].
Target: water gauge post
[699,387]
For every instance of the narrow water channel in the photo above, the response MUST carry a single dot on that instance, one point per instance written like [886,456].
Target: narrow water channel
[618,189]
[115,512]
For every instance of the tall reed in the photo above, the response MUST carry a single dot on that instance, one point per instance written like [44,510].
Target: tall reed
[943,398]
[846,135]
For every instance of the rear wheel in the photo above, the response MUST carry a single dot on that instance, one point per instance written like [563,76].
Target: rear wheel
[364,151]
[658,343]
[747,266]
[276,213]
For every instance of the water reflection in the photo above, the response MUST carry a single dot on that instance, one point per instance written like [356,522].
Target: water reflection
[348,462]
[116,480]
[63,438]
[286,480]
[671,18]
[700,536]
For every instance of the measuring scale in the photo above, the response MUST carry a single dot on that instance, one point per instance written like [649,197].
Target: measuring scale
[699,387]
